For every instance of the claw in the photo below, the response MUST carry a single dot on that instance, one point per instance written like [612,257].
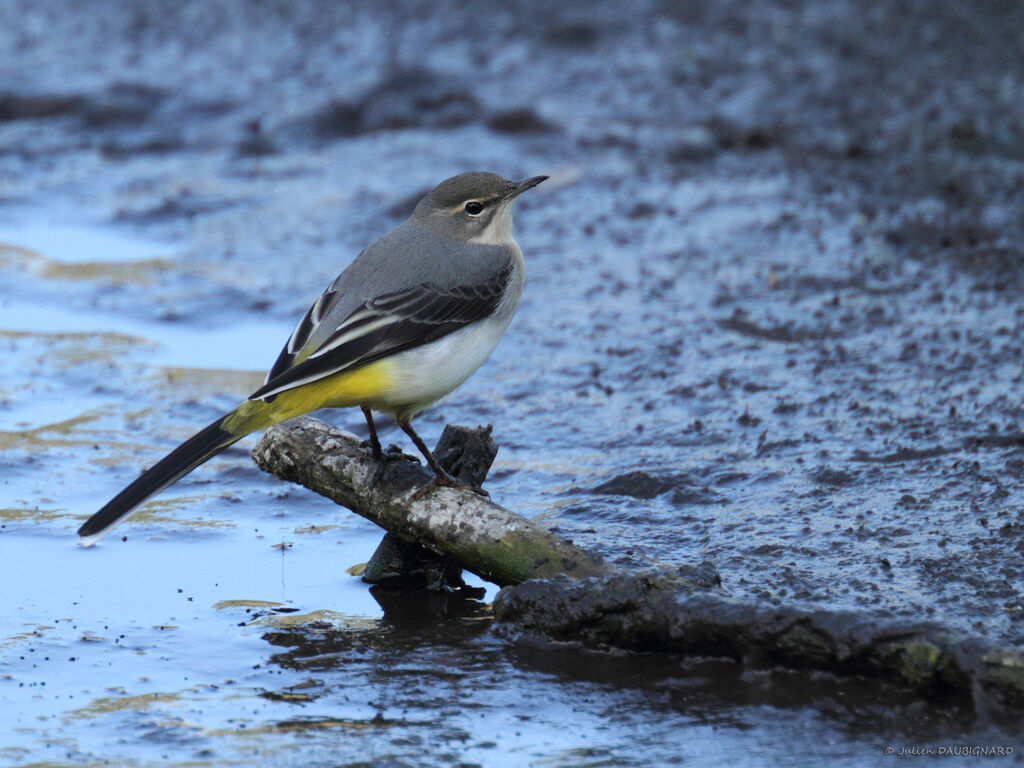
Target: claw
[441,476]
[447,481]
[377,474]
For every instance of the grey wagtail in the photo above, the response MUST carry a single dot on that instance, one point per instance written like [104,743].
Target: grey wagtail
[403,325]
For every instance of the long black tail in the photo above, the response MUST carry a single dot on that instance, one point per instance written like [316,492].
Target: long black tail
[179,462]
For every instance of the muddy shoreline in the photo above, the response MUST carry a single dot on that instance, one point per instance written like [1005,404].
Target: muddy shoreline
[772,322]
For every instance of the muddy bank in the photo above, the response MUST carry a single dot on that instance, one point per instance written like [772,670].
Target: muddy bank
[772,321]
[790,231]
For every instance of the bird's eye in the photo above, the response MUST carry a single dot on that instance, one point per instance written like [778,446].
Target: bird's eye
[474,208]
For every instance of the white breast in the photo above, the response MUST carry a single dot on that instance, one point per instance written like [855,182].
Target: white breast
[425,374]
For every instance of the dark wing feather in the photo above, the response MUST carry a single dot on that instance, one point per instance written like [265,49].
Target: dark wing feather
[386,325]
[309,323]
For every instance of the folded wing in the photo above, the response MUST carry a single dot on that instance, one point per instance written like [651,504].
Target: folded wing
[379,327]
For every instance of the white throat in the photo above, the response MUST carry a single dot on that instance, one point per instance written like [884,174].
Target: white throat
[498,231]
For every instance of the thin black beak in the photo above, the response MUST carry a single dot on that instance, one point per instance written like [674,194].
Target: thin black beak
[516,188]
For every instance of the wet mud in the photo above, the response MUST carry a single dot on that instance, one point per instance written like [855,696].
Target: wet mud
[772,323]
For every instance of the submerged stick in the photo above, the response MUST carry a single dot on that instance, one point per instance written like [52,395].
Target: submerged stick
[483,537]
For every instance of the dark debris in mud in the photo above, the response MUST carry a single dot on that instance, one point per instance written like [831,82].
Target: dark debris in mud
[402,99]
[659,612]
[407,98]
[642,485]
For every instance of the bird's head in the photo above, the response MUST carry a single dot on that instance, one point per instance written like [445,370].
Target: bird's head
[473,207]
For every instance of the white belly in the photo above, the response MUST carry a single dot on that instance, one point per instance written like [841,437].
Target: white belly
[425,374]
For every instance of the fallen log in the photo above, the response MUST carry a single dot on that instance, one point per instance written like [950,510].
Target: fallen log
[493,542]
[556,590]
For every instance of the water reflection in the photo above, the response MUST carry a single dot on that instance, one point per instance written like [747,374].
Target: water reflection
[434,672]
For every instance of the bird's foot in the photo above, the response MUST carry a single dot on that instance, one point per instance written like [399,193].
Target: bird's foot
[447,481]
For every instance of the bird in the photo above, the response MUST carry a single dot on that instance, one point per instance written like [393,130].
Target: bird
[406,323]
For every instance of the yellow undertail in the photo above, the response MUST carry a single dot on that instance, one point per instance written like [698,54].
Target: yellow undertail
[360,386]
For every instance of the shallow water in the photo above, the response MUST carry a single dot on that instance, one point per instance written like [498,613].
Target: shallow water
[805,330]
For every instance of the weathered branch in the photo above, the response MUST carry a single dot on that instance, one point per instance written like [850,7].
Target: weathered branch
[496,544]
